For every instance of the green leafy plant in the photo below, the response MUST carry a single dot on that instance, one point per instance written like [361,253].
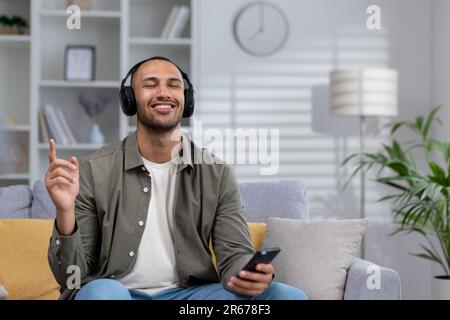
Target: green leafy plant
[421,198]
[13,21]
[5,21]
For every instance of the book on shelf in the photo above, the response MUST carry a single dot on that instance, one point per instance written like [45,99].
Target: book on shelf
[176,22]
[57,126]
[169,22]
[180,22]
[51,120]
[44,126]
[67,130]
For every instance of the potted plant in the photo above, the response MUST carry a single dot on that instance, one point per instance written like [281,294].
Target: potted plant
[420,198]
[12,25]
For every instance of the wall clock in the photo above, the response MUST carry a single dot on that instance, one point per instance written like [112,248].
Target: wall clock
[260,28]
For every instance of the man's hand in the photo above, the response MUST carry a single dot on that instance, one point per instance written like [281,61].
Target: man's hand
[252,283]
[62,183]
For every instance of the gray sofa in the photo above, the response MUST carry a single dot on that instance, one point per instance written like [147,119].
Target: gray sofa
[283,199]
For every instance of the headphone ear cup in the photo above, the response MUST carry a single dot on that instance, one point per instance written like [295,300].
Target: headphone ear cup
[188,103]
[128,101]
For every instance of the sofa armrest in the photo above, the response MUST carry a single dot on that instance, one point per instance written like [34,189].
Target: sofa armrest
[368,281]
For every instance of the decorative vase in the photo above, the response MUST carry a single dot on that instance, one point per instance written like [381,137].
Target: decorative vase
[440,288]
[96,136]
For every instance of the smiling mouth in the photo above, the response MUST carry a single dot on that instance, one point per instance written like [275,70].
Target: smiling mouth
[163,106]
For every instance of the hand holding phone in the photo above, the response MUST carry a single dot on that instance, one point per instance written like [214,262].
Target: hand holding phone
[250,281]
[265,255]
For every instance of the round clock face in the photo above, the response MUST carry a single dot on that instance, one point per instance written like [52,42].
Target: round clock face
[260,28]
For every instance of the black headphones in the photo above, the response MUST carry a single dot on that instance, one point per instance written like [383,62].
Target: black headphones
[128,100]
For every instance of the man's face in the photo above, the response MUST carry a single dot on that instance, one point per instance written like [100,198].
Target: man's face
[159,91]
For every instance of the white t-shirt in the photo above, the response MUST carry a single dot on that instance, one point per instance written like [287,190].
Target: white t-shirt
[154,269]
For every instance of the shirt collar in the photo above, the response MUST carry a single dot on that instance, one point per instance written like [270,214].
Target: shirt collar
[133,158]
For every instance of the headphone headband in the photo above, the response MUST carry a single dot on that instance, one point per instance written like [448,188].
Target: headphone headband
[137,65]
[128,99]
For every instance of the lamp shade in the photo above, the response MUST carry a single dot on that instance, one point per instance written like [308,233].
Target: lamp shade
[364,92]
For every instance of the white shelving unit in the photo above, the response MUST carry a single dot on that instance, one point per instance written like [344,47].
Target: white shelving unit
[20,41]
[76,84]
[158,41]
[15,127]
[123,33]
[89,14]
[15,56]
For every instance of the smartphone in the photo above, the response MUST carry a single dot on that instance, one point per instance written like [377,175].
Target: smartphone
[265,255]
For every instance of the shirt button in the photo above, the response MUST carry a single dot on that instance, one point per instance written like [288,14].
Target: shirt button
[143,168]
[145,189]
[141,223]
[131,253]
[58,242]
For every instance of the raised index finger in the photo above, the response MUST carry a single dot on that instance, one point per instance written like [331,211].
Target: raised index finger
[52,152]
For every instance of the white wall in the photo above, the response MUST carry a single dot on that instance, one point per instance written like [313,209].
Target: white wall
[441,63]
[325,34]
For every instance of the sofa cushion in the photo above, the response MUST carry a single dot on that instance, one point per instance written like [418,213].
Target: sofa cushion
[282,199]
[15,202]
[257,232]
[24,268]
[315,255]
[42,206]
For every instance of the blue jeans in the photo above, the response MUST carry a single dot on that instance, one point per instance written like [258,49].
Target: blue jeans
[107,289]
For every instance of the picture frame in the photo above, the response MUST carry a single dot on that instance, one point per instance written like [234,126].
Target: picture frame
[79,63]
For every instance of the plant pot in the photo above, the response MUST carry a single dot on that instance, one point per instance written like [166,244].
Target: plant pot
[82,4]
[440,288]
[10,30]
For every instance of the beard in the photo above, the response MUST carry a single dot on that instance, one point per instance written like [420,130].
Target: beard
[156,125]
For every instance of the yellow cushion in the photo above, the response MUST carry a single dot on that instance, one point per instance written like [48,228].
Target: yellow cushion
[24,269]
[257,233]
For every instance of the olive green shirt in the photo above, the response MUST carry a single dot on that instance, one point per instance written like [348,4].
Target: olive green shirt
[111,214]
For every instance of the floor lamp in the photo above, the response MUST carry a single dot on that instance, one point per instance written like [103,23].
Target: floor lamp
[364,93]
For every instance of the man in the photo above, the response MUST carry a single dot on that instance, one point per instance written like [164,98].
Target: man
[137,216]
